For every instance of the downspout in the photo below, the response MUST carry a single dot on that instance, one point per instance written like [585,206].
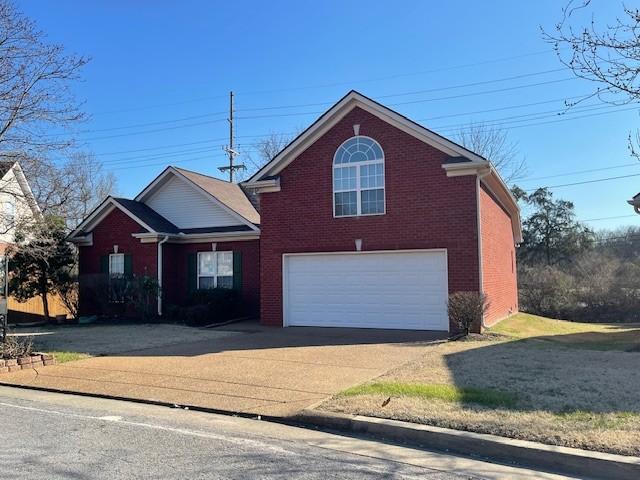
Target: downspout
[480,176]
[166,237]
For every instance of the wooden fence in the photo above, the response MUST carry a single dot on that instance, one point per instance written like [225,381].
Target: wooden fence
[32,308]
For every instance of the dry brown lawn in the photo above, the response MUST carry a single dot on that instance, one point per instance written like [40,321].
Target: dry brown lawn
[576,385]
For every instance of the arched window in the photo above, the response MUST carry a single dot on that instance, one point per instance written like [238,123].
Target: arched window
[358,178]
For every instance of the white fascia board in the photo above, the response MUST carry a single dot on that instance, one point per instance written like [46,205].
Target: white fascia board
[264,186]
[337,112]
[84,241]
[466,168]
[149,189]
[26,189]
[197,237]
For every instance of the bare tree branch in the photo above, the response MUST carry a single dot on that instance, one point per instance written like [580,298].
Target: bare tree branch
[493,144]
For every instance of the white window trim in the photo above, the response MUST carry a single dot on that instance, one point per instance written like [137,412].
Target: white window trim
[358,189]
[113,255]
[215,275]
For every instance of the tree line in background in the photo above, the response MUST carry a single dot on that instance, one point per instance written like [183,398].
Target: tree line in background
[568,271]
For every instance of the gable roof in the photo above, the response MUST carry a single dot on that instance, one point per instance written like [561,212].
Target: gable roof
[231,194]
[461,160]
[332,116]
[228,195]
[14,165]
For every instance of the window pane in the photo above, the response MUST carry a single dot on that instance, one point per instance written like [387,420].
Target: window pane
[344,178]
[371,176]
[116,264]
[372,201]
[206,263]
[206,282]
[225,264]
[225,282]
[346,203]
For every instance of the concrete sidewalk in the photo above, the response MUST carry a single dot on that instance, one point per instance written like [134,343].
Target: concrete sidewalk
[250,369]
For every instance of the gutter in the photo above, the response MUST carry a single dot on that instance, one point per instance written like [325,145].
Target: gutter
[479,177]
[166,237]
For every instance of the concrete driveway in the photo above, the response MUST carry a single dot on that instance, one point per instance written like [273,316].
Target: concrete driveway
[240,368]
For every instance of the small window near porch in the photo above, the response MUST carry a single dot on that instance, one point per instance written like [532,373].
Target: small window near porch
[215,270]
[116,265]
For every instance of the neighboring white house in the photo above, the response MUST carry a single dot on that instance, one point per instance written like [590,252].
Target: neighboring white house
[17,203]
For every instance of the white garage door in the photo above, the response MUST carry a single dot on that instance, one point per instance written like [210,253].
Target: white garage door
[400,290]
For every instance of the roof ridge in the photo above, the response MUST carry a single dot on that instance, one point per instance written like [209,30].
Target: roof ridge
[203,175]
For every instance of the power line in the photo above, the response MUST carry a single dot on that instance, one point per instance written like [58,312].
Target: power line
[586,182]
[474,84]
[485,92]
[610,218]
[591,170]
[335,84]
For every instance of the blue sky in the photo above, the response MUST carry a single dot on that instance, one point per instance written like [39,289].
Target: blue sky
[172,64]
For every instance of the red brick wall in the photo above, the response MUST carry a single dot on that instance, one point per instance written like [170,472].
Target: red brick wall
[175,282]
[116,229]
[424,209]
[498,259]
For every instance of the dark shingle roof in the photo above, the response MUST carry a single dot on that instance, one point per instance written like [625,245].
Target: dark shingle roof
[148,215]
[5,166]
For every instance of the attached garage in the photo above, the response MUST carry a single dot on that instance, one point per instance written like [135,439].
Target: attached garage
[387,289]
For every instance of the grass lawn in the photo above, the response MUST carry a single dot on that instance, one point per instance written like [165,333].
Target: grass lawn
[551,381]
[63,356]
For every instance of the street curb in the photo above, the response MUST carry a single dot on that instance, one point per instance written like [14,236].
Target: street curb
[557,459]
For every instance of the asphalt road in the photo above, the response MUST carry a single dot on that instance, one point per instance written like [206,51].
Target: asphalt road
[53,436]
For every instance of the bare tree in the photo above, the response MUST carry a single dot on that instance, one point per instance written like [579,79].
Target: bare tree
[35,98]
[263,151]
[494,144]
[607,55]
[70,190]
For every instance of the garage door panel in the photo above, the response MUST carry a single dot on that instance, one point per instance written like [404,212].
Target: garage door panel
[373,290]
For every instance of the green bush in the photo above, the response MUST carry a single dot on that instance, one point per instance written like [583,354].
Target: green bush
[204,307]
[466,309]
[546,291]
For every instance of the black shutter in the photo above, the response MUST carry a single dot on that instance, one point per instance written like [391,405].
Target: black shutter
[237,271]
[128,265]
[104,264]
[192,272]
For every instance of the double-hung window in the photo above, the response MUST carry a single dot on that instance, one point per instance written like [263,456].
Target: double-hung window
[358,178]
[117,279]
[215,270]
[116,265]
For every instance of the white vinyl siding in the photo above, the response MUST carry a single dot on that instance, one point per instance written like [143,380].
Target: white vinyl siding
[394,290]
[186,207]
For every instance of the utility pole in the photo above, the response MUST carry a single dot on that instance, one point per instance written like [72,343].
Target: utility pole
[230,148]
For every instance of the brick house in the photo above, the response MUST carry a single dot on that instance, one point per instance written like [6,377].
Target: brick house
[367,220]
